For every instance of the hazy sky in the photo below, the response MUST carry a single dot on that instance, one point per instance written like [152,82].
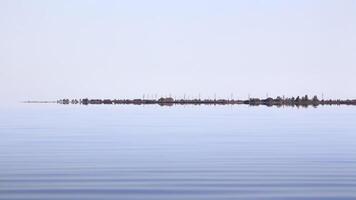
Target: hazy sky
[116,49]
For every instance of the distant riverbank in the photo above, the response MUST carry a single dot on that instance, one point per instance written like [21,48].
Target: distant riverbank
[304,101]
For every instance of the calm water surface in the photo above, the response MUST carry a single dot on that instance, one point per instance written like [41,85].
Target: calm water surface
[175,153]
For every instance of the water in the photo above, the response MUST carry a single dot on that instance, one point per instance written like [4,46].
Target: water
[180,152]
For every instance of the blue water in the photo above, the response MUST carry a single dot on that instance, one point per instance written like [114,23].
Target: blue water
[50,151]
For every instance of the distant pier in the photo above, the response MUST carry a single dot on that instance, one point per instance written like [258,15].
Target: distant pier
[303,101]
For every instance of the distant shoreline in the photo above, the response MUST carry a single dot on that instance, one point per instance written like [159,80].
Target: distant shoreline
[39,101]
[304,101]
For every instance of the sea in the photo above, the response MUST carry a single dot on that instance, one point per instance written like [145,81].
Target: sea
[192,152]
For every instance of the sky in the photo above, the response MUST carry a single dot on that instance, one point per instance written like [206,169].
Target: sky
[126,49]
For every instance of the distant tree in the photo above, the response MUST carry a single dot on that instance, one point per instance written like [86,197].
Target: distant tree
[315,98]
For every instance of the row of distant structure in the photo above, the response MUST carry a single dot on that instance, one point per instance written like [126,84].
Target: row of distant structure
[169,101]
[187,97]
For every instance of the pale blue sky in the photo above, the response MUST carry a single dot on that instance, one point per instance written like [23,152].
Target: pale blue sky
[117,49]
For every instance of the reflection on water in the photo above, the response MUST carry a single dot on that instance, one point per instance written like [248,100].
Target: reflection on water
[180,152]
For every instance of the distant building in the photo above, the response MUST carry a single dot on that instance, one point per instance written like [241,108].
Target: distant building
[166,100]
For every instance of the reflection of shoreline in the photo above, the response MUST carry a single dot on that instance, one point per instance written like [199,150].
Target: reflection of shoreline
[304,101]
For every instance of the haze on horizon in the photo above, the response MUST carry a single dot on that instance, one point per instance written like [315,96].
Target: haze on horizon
[124,49]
